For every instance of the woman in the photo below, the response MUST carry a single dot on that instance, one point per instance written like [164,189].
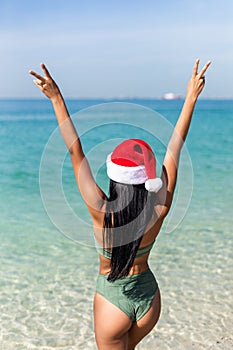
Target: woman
[127,299]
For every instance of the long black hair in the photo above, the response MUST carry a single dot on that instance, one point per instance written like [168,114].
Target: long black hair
[128,212]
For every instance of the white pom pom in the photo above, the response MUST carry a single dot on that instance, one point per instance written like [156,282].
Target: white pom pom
[153,185]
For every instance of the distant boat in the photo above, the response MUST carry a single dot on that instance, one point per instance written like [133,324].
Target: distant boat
[171,96]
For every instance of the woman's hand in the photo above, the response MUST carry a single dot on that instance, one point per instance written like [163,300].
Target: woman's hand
[46,84]
[197,81]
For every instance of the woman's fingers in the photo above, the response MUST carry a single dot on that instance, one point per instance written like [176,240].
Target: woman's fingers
[38,76]
[202,72]
[195,68]
[45,70]
[38,82]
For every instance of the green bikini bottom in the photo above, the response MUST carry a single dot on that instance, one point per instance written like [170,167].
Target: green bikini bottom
[131,294]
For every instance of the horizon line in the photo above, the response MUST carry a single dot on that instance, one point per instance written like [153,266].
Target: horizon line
[118,98]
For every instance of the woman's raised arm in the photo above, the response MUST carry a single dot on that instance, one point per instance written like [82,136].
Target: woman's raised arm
[91,193]
[171,160]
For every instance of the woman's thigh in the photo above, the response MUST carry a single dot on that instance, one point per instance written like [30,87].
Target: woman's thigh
[143,326]
[111,325]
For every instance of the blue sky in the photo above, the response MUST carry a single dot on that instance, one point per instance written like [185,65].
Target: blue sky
[121,48]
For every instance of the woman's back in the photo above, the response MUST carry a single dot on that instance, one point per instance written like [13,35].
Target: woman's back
[148,240]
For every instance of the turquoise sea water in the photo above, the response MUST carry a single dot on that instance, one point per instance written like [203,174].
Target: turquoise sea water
[47,277]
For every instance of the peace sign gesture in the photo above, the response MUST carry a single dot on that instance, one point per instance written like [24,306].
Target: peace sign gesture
[197,81]
[46,84]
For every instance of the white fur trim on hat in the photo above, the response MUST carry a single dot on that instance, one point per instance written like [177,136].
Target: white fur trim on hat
[134,175]
[153,185]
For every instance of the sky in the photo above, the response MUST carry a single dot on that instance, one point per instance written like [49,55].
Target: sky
[116,48]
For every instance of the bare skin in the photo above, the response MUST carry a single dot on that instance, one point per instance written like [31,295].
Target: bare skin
[119,332]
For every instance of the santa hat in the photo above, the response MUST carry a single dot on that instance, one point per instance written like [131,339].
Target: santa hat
[133,162]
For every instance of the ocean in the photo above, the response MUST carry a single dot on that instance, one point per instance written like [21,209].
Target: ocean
[48,260]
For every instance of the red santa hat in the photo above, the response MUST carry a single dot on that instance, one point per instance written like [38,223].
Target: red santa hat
[133,162]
